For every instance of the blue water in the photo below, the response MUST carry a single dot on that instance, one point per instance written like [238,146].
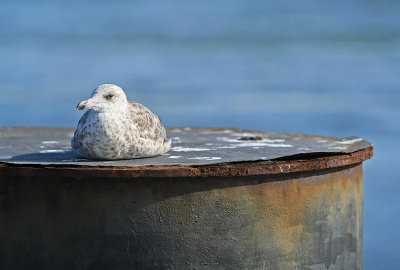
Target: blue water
[315,67]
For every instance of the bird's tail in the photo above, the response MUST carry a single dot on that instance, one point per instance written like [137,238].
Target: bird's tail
[167,145]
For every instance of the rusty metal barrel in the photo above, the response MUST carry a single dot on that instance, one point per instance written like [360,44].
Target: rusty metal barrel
[219,199]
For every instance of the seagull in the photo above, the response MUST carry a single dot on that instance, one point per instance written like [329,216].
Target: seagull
[114,128]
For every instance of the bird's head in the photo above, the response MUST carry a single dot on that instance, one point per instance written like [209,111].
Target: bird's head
[106,97]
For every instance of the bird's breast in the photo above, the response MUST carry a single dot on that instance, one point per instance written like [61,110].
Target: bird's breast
[114,127]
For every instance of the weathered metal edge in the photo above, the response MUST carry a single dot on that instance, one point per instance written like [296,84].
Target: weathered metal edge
[246,168]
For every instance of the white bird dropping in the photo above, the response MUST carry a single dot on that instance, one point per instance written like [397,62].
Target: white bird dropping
[114,128]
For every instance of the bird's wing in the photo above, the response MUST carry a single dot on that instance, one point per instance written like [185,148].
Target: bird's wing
[148,124]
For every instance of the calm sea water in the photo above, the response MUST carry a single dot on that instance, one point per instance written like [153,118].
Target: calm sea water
[304,67]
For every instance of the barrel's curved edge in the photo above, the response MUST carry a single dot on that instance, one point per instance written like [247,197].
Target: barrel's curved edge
[245,168]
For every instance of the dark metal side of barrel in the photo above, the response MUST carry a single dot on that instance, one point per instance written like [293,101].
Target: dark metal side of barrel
[305,220]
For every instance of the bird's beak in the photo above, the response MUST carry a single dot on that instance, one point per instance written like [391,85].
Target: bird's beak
[85,104]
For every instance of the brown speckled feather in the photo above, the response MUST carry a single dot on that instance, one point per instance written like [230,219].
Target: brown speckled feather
[148,124]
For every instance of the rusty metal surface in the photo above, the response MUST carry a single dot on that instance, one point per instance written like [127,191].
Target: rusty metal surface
[195,152]
[260,206]
[308,220]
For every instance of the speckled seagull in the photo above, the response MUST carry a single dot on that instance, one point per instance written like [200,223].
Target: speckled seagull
[114,128]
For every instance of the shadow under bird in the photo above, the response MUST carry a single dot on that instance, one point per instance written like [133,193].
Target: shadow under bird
[114,128]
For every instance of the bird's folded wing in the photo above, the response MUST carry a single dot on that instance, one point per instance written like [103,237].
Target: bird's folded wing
[148,124]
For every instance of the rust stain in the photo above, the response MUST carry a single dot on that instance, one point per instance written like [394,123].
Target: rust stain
[307,214]
[288,220]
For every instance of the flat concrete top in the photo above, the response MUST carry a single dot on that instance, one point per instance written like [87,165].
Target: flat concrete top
[190,147]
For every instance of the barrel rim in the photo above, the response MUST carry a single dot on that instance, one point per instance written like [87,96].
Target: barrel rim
[299,163]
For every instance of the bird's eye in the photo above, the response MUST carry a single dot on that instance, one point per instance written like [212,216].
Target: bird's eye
[109,96]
